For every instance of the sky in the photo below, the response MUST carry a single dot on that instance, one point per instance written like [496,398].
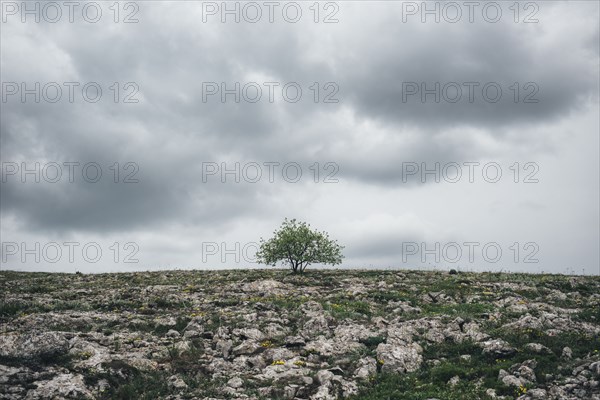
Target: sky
[175,134]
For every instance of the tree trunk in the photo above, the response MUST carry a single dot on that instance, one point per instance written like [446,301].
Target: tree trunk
[302,268]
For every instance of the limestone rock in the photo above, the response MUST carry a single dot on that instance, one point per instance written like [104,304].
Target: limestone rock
[399,358]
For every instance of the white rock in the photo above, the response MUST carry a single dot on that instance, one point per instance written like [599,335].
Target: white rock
[454,381]
[177,383]
[511,380]
[498,348]
[61,386]
[235,382]
[173,334]
[324,376]
[567,353]
[33,345]
[366,367]
[400,358]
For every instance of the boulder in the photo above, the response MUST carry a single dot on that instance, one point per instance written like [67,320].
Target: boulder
[399,358]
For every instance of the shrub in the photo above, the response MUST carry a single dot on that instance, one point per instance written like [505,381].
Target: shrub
[296,244]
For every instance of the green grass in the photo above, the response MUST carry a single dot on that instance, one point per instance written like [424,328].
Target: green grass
[36,363]
[373,341]
[343,308]
[12,308]
[127,383]
[464,310]
[431,381]
[581,344]
[200,293]
[416,387]
[588,315]
[387,296]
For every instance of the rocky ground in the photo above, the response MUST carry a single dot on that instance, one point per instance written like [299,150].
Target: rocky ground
[266,334]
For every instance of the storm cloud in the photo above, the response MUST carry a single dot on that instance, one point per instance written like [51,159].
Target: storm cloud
[399,133]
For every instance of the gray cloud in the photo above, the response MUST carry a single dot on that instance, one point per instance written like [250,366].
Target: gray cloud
[369,133]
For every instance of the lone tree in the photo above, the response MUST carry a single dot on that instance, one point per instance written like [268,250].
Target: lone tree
[299,246]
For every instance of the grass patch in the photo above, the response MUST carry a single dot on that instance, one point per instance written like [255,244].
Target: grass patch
[463,310]
[416,386]
[12,308]
[127,383]
[588,315]
[373,341]
[343,308]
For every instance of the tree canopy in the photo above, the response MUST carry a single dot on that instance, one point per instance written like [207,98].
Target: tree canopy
[296,244]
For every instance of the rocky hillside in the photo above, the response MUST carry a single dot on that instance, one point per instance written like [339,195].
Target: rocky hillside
[265,334]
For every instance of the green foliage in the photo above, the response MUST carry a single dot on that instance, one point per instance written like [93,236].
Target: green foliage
[416,386]
[344,308]
[190,294]
[476,374]
[451,349]
[296,244]
[127,383]
[387,296]
[11,308]
[464,310]
[589,315]
[580,343]
[373,341]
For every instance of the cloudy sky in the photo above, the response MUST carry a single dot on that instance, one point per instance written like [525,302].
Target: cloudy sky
[168,134]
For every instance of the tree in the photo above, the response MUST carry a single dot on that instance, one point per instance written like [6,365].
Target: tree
[296,244]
